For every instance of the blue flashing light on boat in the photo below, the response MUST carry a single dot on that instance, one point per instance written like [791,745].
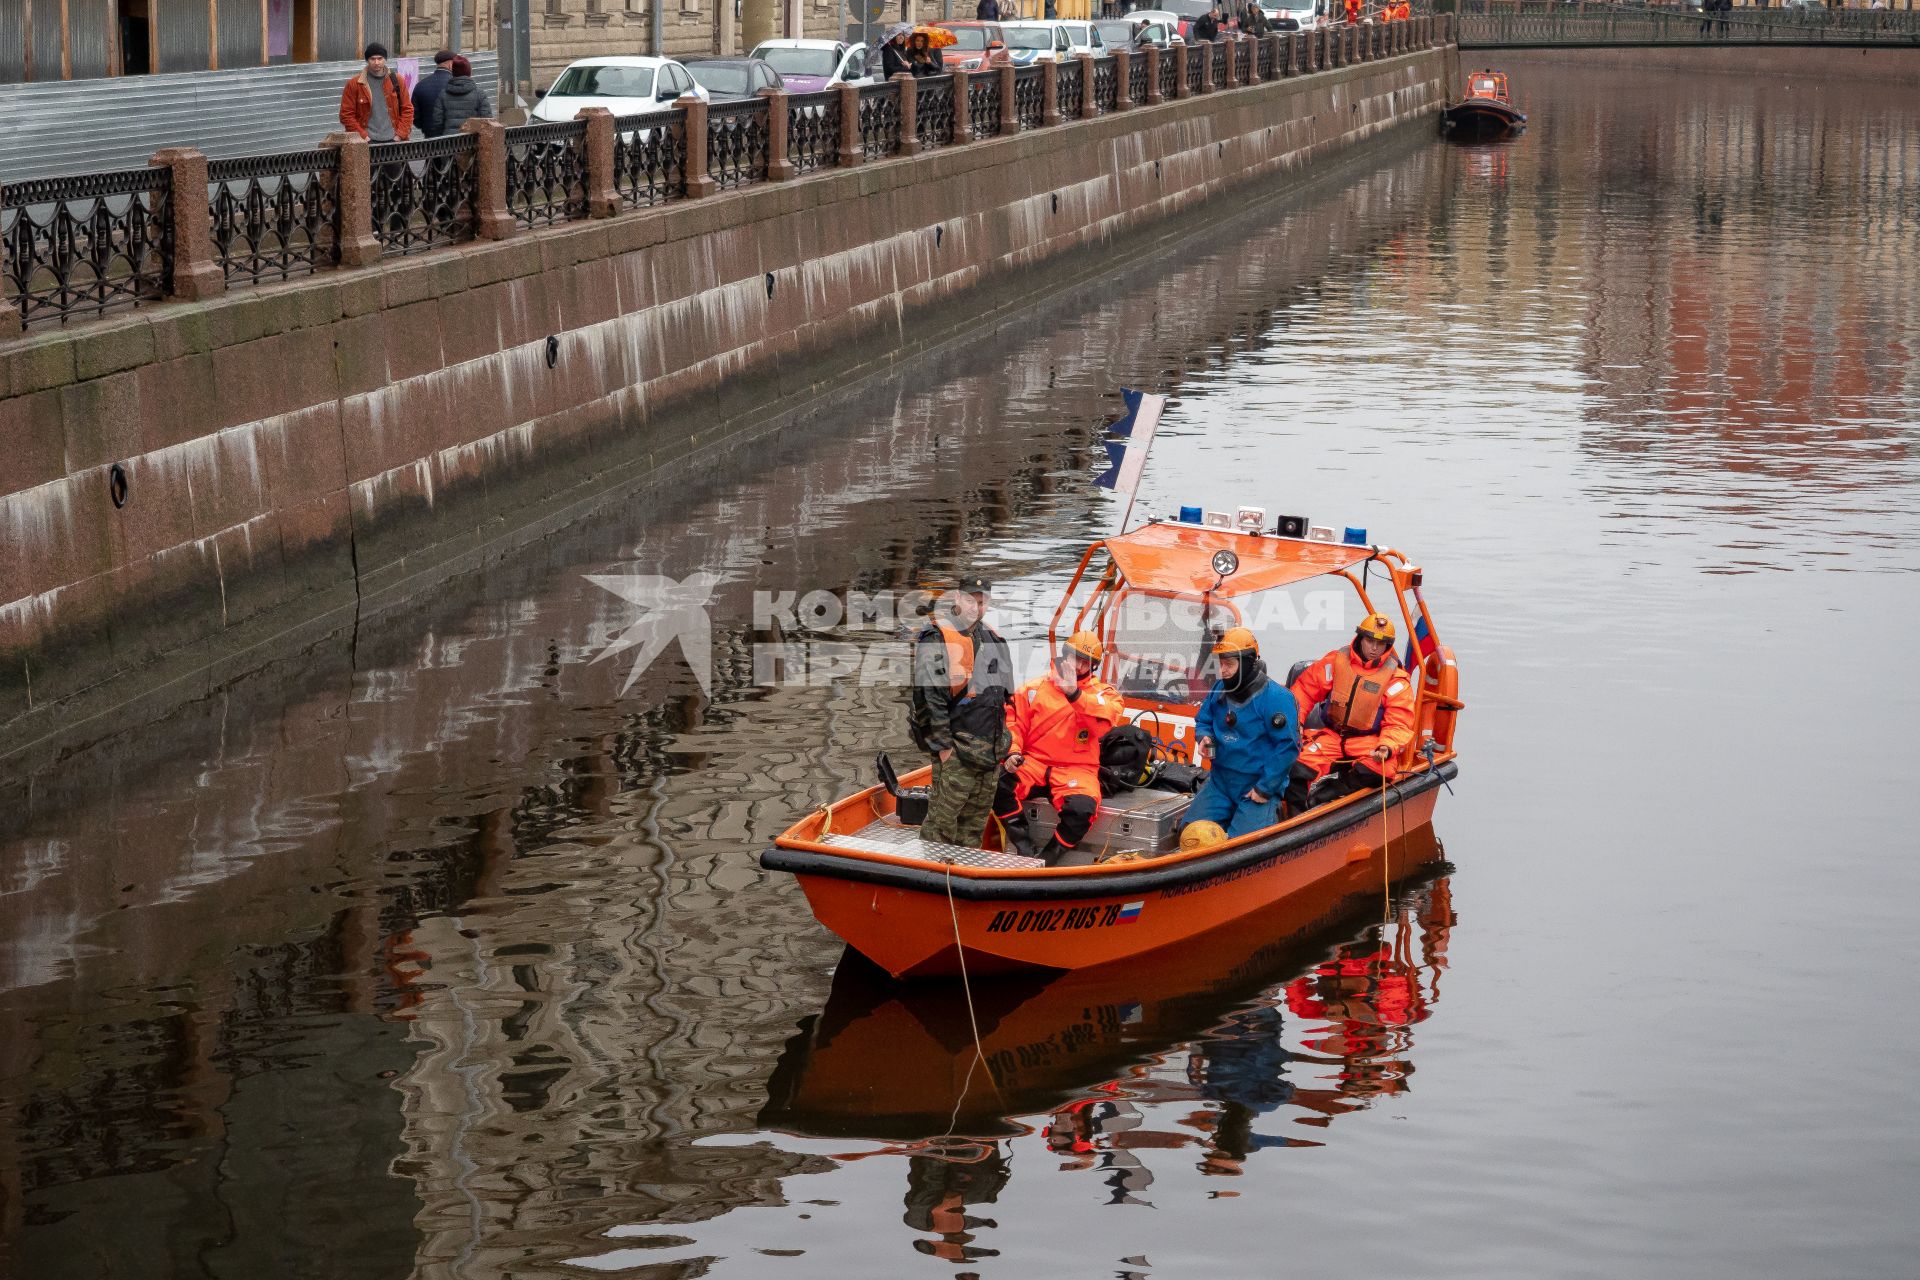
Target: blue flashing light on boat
[1356,537]
[1190,515]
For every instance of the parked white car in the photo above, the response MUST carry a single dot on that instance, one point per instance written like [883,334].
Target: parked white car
[626,86]
[1050,40]
[808,66]
[1294,15]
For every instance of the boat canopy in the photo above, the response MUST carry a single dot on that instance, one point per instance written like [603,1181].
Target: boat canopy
[1178,559]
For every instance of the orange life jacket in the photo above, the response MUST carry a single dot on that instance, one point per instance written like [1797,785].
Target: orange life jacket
[959,658]
[1356,700]
[1353,10]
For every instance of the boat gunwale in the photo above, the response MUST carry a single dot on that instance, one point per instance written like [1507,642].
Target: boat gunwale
[980,884]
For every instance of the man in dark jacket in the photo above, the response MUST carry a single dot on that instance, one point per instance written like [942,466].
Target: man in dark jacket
[427,92]
[460,101]
[987,11]
[1206,27]
[957,713]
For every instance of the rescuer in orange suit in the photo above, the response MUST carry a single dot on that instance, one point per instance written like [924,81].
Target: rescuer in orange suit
[1369,701]
[1057,722]
[1353,11]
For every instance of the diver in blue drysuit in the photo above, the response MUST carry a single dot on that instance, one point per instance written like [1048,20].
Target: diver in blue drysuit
[1250,727]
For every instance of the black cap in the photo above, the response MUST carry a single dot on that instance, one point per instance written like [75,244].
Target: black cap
[972,584]
[445,55]
[374,50]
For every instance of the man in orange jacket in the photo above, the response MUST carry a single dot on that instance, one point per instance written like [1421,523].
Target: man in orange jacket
[1057,722]
[373,104]
[1369,703]
[1354,8]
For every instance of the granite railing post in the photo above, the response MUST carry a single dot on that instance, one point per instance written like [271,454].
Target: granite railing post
[195,273]
[10,323]
[1122,79]
[1049,94]
[492,220]
[909,113]
[1205,50]
[1089,107]
[1233,62]
[1291,67]
[851,152]
[1180,89]
[1009,110]
[603,199]
[693,116]
[962,111]
[779,163]
[353,199]
[1153,75]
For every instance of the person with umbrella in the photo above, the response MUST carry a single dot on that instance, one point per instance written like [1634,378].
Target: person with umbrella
[888,57]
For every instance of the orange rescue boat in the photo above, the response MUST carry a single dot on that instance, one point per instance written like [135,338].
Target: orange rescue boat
[1157,597]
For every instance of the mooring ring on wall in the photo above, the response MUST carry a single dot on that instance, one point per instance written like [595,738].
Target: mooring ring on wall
[553,351]
[117,485]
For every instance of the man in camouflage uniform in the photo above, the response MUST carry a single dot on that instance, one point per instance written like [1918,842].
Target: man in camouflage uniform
[962,674]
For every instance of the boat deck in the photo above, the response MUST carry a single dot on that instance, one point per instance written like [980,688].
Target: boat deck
[887,834]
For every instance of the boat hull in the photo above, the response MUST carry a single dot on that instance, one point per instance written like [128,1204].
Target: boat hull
[908,920]
[1477,121]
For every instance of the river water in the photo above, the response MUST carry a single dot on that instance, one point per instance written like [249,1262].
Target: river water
[441,954]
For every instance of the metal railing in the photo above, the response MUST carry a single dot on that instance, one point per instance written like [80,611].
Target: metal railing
[1106,86]
[650,159]
[880,121]
[547,173]
[1503,26]
[424,194]
[983,103]
[738,144]
[933,112]
[274,217]
[813,131]
[1030,96]
[86,244]
[1069,85]
[75,247]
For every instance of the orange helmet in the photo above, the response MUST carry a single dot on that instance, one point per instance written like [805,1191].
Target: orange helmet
[1087,645]
[1238,640]
[1201,835]
[1376,626]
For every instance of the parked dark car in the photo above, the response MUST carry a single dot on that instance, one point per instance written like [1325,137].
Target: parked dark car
[734,79]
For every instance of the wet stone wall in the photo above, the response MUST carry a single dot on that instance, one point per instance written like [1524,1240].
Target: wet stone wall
[190,491]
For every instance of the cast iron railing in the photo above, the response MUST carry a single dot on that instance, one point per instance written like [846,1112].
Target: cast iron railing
[1137,78]
[649,159]
[274,217]
[1067,88]
[1219,63]
[547,173]
[983,103]
[1264,58]
[1169,76]
[813,131]
[879,121]
[1030,96]
[424,193]
[933,111]
[1508,26]
[1106,86]
[85,244]
[738,145]
[1196,67]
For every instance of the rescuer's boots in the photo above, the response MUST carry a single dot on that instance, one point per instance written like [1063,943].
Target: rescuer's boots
[1054,852]
[1019,835]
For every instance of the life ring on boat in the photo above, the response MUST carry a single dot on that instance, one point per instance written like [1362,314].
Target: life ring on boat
[1440,681]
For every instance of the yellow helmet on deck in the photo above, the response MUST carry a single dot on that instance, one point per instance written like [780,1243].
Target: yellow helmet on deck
[1087,645]
[1238,640]
[1376,626]
[1202,835]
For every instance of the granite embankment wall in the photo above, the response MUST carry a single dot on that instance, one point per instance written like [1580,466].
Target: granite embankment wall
[298,455]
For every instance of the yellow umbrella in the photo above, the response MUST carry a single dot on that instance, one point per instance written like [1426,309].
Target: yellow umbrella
[938,37]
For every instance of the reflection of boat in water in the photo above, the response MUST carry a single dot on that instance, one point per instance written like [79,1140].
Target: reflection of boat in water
[1157,598]
[1485,112]
[890,1061]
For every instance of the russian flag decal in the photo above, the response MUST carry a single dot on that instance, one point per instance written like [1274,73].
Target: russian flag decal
[1129,912]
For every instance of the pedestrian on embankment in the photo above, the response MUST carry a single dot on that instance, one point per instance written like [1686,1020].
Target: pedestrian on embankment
[372,104]
[427,92]
[987,11]
[462,100]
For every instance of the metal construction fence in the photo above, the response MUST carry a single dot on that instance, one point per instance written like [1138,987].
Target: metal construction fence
[185,226]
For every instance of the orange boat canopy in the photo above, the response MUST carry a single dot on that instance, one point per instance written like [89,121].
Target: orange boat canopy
[1178,558]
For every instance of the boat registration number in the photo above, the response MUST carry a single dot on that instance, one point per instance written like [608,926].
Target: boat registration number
[1057,919]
